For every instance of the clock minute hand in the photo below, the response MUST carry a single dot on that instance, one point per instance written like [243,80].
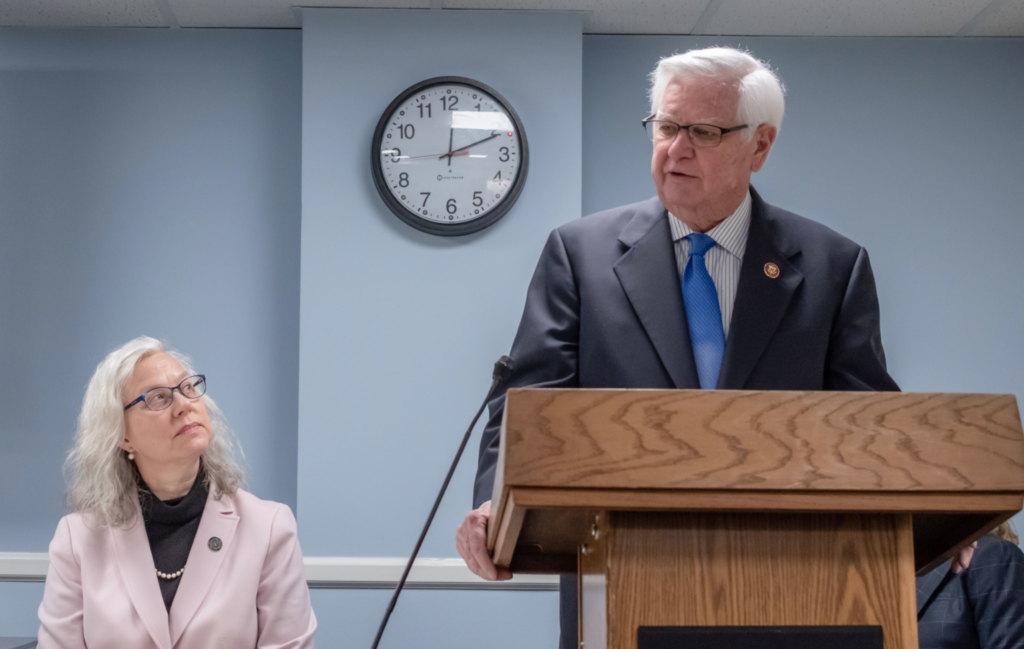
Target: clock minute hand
[450,153]
[434,155]
[461,149]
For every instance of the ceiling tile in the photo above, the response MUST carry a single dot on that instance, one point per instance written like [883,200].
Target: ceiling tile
[1001,18]
[610,16]
[842,17]
[267,13]
[725,17]
[80,13]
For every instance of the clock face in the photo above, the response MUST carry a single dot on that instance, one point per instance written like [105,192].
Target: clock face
[449,156]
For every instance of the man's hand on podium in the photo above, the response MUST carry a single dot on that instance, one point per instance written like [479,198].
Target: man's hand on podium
[471,542]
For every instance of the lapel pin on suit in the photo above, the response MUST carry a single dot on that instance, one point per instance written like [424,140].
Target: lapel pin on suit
[215,544]
[771,270]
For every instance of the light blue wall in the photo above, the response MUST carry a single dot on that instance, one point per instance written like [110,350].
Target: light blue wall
[149,184]
[442,619]
[19,603]
[400,329]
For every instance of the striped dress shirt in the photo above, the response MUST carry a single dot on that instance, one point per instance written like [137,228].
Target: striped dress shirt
[724,260]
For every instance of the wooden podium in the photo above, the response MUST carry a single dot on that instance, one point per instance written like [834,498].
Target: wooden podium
[740,508]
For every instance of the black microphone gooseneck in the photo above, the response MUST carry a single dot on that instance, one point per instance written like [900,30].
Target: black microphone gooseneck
[502,370]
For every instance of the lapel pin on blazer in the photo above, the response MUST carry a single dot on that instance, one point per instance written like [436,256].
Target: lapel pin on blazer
[771,270]
[215,544]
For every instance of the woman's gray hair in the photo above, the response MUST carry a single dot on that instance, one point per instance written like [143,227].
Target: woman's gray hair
[1006,532]
[103,484]
[762,96]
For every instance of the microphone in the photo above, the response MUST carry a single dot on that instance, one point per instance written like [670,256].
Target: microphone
[502,371]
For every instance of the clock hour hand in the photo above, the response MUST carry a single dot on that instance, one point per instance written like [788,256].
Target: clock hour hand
[450,154]
[434,155]
[462,150]
[451,134]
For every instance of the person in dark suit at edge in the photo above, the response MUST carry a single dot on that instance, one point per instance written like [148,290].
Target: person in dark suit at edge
[975,600]
[704,286]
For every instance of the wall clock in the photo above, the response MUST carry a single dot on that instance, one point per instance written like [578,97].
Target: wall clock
[449,156]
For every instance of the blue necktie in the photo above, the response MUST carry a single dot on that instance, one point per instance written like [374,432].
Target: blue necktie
[703,313]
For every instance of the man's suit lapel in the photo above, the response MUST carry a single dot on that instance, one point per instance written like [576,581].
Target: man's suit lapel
[761,300]
[219,520]
[650,279]
[135,562]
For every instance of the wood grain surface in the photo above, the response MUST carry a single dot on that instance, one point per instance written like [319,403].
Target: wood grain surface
[557,519]
[738,500]
[502,536]
[772,569]
[758,441]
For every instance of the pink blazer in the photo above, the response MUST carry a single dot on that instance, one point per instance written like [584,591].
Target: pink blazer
[102,591]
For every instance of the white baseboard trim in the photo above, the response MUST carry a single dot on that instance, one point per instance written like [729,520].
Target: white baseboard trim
[24,566]
[435,574]
[335,572]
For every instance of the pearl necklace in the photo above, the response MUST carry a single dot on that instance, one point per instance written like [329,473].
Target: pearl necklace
[173,575]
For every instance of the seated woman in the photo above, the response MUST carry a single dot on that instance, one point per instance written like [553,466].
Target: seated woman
[976,601]
[163,548]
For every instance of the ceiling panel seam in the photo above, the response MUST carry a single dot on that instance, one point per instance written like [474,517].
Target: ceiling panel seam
[164,7]
[707,16]
[974,22]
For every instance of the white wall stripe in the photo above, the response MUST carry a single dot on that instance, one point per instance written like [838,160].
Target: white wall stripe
[23,566]
[336,572]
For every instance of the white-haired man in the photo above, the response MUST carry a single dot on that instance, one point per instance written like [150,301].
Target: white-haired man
[704,286]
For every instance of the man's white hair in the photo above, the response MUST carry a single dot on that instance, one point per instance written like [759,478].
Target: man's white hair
[761,94]
[103,482]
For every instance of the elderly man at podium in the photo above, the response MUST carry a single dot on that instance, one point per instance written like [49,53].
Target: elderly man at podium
[703,286]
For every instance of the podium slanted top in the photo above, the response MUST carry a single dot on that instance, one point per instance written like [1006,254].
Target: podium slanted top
[955,461]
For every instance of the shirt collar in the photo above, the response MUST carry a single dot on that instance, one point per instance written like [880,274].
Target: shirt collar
[730,234]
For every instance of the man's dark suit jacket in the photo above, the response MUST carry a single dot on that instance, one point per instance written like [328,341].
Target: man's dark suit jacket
[981,608]
[605,310]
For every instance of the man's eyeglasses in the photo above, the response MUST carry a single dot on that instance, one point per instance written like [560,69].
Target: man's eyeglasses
[159,398]
[701,135]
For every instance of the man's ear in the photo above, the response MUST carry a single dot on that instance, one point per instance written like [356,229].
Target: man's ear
[764,137]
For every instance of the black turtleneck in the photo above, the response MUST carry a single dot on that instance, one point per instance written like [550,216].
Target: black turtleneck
[171,526]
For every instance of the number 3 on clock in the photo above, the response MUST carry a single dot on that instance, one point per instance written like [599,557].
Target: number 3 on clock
[476,157]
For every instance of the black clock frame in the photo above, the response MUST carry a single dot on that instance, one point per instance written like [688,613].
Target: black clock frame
[414,219]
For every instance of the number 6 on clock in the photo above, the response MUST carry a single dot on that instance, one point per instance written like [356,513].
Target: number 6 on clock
[457,137]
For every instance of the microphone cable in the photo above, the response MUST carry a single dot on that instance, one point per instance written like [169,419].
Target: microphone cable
[502,370]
